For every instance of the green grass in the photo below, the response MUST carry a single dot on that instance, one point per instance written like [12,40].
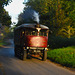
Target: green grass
[63,56]
[2,43]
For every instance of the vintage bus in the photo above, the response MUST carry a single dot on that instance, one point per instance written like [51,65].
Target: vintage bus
[30,40]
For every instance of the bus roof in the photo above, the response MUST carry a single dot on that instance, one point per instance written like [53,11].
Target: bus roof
[33,26]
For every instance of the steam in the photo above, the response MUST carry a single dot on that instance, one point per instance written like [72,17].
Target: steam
[36,16]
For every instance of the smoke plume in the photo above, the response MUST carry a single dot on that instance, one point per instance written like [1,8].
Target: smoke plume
[29,16]
[36,16]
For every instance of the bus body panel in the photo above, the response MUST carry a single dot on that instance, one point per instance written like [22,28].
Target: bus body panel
[36,41]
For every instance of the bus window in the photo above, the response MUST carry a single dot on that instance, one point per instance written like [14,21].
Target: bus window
[42,34]
[22,33]
[26,32]
[34,33]
[30,33]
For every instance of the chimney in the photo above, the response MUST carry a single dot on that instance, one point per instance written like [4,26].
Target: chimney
[38,26]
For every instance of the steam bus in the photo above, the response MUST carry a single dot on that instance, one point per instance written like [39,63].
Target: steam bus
[30,40]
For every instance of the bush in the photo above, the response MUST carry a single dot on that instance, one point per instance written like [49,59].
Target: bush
[59,42]
[63,56]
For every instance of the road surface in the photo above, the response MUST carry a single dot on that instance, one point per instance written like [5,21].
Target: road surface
[10,65]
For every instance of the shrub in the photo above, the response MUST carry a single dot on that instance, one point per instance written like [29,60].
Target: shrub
[59,42]
[63,56]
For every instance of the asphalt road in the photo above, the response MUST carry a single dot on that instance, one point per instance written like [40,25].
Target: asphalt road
[10,65]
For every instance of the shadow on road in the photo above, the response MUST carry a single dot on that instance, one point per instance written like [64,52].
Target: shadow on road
[8,60]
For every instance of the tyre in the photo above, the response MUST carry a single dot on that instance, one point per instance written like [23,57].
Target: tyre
[44,57]
[24,55]
[15,51]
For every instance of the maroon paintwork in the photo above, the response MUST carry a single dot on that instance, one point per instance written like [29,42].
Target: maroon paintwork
[36,41]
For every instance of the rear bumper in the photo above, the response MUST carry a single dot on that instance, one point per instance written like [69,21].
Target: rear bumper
[36,48]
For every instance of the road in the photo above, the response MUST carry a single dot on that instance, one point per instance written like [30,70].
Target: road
[10,65]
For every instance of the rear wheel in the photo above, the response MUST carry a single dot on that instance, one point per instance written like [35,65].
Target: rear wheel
[24,55]
[44,57]
[15,51]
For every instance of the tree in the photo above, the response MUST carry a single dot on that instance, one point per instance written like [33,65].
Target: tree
[5,31]
[67,31]
[5,19]
[4,2]
[4,16]
[57,15]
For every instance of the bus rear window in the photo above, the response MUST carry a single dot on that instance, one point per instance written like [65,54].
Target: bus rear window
[35,33]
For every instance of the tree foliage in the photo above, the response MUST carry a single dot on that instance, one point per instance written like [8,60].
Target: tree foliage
[67,31]
[4,2]
[5,19]
[58,15]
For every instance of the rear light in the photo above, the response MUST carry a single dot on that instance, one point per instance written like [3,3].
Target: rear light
[46,49]
[27,47]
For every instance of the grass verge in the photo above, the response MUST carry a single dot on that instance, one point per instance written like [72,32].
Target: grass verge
[63,56]
[3,43]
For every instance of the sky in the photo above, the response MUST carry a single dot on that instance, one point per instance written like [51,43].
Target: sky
[14,9]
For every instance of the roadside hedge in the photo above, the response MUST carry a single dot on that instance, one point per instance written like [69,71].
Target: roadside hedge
[63,56]
[59,42]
